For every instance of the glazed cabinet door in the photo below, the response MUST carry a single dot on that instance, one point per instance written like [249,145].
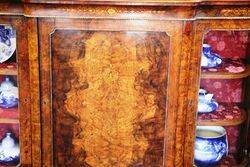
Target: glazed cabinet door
[221,75]
[15,122]
[109,92]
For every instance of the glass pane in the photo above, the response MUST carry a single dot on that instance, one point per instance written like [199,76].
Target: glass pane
[223,102]
[9,113]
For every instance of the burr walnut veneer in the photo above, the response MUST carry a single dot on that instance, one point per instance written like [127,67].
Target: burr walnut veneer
[113,83]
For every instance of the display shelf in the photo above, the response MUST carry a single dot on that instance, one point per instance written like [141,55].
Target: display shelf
[225,115]
[222,72]
[8,69]
[9,164]
[9,120]
[11,113]
[230,161]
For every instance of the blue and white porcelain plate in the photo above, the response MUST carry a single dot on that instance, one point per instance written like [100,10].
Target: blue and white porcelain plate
[7,42]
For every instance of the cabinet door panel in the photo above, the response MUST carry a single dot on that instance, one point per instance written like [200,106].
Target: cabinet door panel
[225,29]
[109,97]
[106,91]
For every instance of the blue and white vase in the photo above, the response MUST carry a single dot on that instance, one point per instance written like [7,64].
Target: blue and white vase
[9,150]
[206,102]
[8,94]
[208,58]
[210,146]
[7,42]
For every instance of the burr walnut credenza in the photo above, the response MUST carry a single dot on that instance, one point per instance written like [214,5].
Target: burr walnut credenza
[121,83]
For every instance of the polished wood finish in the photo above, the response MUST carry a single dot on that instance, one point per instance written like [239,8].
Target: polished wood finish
[121,79]
[35,91]
[48,28]
[146,2]
[150,50]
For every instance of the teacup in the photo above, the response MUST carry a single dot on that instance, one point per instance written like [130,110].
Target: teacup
[210,145]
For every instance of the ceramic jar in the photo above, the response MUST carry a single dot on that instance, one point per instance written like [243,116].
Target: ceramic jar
[209,59]
[210,146]
[8,94]
[206,102]
[9,150]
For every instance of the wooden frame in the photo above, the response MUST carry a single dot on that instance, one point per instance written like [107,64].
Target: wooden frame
[18,23]
[145,2]
[201,28]
[178,76]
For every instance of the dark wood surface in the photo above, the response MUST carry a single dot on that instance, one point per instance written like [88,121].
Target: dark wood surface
[35,91]
[120,80]
[126,12]
[77,117]
[146,2]
[63,86]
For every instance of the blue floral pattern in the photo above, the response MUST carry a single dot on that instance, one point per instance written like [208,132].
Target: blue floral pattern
[209,151]
[209,59]
[7,42]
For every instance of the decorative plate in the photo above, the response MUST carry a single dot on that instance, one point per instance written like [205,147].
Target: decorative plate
[7,42]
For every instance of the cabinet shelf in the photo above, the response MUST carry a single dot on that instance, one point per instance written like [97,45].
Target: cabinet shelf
[230,160]
[225,75]
[225,115]
[11,113]
[8,69]
[9,120]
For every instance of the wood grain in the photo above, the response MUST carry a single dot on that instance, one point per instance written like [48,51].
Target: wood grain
[24,91]
[146,2]
[119,80]
[45,96]
[35,91]
[173,29]
[65,74]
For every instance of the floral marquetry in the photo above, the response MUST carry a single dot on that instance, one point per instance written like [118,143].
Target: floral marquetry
[124,83]
[119,79]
